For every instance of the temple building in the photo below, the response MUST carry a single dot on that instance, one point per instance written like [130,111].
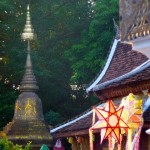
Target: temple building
[126,74]
[28,122]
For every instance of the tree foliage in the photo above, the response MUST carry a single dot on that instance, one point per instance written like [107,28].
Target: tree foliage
[73,41]
[53,118]
[88,56]
[7,145]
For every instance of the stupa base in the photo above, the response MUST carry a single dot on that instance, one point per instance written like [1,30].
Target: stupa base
[22,132]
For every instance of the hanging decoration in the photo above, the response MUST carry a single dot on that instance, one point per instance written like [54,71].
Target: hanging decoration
[73,142]
[111,142]
[146,105]
[70,140]
[85,144]
[132,115]
[44,147]
[79,142]
[113,122]
[58,145]
[109,123]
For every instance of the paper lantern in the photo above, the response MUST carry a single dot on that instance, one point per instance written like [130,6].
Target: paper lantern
[70,140]
[58,145]
[110,121]
[138,103]
[132,110]
[44,147]
[79,140]
[93,137]
[132,115]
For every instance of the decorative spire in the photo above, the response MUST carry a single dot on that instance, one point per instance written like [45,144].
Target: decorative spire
[117,30]
[28,83]
[28,32]
[28,122]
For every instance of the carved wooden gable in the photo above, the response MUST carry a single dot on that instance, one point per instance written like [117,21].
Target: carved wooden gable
[134,18]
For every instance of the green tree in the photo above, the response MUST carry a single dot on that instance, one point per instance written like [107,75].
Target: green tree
[58,25]
[53,118]
[73,41]
[7,68]
[88,56]
[62,25]
[7,145]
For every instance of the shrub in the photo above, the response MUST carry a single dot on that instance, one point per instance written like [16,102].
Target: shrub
[8,145]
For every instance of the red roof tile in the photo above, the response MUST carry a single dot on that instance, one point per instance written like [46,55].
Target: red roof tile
[124,61]
[84,123]
[142,76]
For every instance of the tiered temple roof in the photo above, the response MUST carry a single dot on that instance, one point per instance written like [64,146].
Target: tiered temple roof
[127,69]
[124,71]
[124,68]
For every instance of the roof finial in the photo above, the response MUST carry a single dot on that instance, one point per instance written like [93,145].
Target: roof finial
[116,29]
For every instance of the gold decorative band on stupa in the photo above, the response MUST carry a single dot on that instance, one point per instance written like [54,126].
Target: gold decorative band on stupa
[28,32]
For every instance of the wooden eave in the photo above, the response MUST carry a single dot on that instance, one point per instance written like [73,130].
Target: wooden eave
[73,133]
[70,133]
[84,132]
[123,90]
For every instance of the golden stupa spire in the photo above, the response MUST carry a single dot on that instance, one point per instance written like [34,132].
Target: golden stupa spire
[28,122]
[28,32]
[28,82]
